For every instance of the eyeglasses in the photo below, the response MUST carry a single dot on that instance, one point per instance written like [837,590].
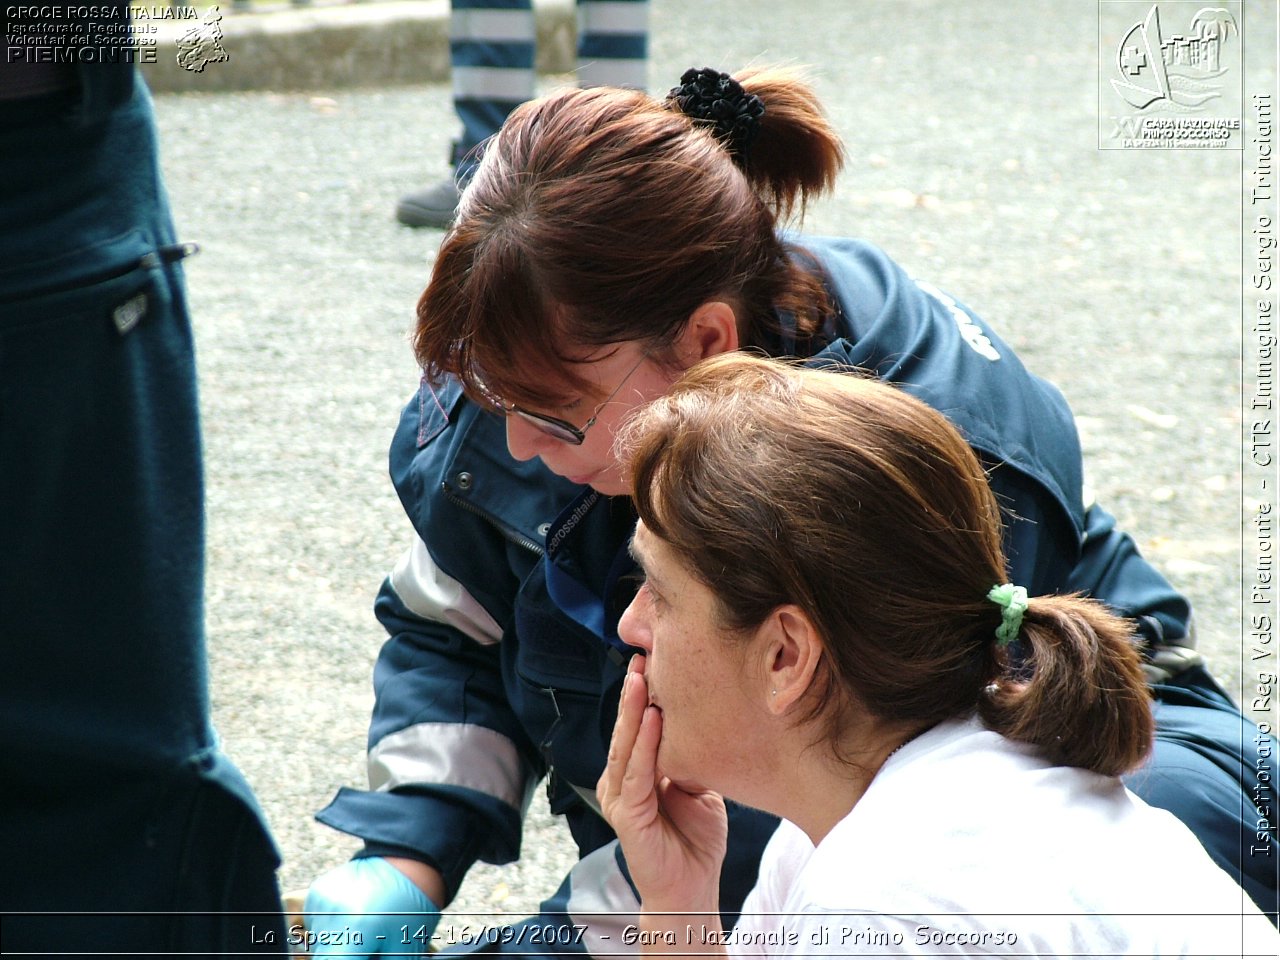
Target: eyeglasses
[563,430]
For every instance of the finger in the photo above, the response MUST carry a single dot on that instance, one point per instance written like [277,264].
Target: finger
[639,784]
[630,713]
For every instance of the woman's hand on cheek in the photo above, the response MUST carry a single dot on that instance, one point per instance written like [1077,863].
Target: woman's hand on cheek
[626,789]
[674,839]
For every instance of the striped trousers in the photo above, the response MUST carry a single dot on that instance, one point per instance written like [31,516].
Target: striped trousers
[492,45]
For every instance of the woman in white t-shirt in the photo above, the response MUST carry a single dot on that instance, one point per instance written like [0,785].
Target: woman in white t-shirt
[828,636]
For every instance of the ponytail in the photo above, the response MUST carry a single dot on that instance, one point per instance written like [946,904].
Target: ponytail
[771,126]
[796,154]
[1085,703]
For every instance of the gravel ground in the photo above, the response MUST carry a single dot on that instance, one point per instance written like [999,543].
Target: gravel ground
[972,133]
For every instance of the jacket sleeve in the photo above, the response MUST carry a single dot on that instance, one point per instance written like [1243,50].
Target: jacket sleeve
[1048,554]
[1111,569]
[451,770]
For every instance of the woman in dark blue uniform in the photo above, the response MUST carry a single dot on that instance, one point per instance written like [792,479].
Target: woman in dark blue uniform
[609,241]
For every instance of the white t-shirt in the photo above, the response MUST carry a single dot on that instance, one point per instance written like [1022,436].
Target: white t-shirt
[967,843]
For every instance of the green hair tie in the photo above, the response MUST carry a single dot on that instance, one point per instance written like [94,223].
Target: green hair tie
[1012,601]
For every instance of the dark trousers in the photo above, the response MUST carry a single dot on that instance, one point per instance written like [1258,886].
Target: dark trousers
[1213,769]
[115,801]
[492,53]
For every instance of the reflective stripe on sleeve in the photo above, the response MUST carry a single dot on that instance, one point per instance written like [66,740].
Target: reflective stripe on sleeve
[456,754]
[430,593]
[601,899]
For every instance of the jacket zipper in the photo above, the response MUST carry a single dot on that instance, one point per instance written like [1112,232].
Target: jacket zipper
[519,539]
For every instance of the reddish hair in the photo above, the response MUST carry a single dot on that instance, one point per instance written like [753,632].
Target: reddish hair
[777,484]
[603,215]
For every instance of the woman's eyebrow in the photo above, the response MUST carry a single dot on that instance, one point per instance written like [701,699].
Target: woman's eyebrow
[634,551]
[637,554]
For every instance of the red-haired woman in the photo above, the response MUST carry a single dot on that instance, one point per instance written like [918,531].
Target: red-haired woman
[608,241]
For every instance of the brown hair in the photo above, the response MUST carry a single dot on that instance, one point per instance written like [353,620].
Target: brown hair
[778,484]
[603,215]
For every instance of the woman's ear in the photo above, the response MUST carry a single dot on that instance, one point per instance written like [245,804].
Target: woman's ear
[712,330]
[792,649]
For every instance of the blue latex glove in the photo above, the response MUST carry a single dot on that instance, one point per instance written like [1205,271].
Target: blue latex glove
[366,908]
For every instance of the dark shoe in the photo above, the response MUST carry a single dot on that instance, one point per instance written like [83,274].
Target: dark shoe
[432,207]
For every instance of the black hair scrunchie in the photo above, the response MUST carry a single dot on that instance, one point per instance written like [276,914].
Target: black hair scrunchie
[715,98]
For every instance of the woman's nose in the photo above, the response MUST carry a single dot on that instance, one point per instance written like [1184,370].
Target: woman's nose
[632,629]
[524,440]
